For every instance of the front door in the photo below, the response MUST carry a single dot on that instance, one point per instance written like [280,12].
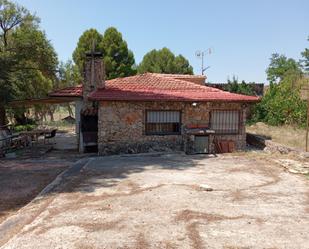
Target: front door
[201,144]
[89,129]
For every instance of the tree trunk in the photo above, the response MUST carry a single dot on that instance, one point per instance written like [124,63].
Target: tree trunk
[36,116]
[51,114]
[2,115]
[44,118]
[70,111]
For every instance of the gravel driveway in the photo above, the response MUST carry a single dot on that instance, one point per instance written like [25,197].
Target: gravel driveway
[161,201]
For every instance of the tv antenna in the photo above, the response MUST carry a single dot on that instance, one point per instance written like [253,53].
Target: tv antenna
[201,54]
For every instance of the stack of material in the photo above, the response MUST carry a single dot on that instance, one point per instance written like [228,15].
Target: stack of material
[224,146]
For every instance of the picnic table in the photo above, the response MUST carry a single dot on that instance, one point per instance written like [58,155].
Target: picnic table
[22,139]
[35,134]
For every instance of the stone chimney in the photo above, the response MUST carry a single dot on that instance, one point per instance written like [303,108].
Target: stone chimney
[94,74]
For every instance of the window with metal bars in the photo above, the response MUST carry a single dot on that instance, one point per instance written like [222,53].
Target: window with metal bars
[163,122]
[225,121]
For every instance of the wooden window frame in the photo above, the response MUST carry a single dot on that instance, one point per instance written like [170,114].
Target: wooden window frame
[240,121]
[147,133]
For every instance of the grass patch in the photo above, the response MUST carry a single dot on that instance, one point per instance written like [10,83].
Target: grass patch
[27,127]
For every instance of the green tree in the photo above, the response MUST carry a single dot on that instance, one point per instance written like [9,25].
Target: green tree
[87,40]
[182,65]
[28,61]
[118,59]
[68,75]
[305,61]
[279,66]
[11,16]
[234,86]
[282,103]
[164,61]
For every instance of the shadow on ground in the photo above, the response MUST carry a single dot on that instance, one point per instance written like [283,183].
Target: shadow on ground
[110,170]
[22,179]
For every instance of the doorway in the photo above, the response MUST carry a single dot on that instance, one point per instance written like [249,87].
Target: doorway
[89,130]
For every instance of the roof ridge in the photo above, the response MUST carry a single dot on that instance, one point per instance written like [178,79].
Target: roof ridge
[177,75]
[188,83]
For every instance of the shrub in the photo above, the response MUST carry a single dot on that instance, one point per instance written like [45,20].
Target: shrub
[234,86]
[282,104]
[27,127]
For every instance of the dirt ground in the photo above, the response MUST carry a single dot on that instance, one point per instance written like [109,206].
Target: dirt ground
[162,202]
[23,179]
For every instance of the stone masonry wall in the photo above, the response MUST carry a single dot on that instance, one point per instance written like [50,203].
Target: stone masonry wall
[122,126]
[93,78]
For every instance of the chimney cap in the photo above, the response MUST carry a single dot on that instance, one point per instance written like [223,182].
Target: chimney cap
[95,54]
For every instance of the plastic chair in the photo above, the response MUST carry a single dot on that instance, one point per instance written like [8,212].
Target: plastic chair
[51,135]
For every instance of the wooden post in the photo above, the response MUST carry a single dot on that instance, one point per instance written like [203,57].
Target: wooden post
[307,126]
[304,94]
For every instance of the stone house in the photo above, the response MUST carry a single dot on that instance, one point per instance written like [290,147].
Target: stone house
[154,112]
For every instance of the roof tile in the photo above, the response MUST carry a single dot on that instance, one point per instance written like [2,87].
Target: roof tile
[154,87]
[72,91]
[151,87]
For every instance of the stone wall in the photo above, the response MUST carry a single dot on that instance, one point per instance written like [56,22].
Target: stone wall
[93,77]
[122,126]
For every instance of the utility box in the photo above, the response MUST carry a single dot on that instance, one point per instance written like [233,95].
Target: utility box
[197,139]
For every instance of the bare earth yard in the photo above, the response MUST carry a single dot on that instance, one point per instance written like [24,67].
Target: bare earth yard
[158,202]
[23,179]
[21,182]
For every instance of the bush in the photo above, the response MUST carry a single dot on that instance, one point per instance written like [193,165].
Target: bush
[282,105]
[27,127]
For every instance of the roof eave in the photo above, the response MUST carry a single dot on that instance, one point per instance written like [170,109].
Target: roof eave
[174,100]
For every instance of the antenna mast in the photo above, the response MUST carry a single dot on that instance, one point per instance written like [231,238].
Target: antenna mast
[201,54]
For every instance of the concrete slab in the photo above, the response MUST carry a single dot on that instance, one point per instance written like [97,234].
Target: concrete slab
[155,201]
[65,141]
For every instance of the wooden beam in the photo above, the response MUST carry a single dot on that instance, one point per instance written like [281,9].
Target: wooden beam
[43,101]
[307,125]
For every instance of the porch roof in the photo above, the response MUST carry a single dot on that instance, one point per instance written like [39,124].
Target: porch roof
[46,101]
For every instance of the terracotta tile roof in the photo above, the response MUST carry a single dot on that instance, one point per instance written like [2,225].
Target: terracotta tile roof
[73,91]
[178,76]
[154,87]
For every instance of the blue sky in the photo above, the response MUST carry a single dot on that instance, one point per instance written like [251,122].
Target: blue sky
[242,33]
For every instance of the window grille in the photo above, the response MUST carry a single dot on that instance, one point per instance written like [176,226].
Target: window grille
[162,122]
[225,121]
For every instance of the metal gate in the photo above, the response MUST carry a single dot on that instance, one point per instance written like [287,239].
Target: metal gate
[201,144]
